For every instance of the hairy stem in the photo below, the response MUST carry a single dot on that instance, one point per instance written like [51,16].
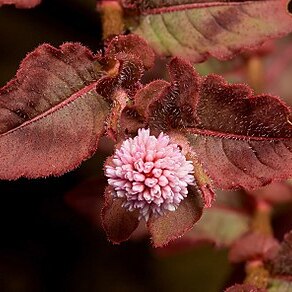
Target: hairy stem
[256,273]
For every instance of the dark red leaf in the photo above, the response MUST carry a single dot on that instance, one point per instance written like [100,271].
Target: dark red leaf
[117,222]
[253,246]
[239,139]
[174,224]
[147,95]
[51,117]
[131,121]
[174,106]
[21,3]
[126,59]
[274,193]
[198,29]
[132,44]
[124,71]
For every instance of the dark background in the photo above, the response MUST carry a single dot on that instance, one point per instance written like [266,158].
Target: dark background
[46,245]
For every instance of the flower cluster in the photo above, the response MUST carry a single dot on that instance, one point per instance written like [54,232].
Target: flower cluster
[150,174]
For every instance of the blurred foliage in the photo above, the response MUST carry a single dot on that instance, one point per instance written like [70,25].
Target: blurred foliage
[201,269]
[45,245]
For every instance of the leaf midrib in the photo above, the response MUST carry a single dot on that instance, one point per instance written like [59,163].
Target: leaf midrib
[183,7]
[55,108]
[231,136]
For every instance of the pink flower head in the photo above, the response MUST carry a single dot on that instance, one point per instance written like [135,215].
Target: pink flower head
[150,174]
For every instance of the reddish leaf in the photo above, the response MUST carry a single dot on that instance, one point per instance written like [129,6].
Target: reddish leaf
[132,44]
[174,106]
[51,117]
[126,59]
[198,29]
[172,225]
[118,88]
[145,96]
[21,3]
[125,71]
[117,222]
[253,246]
[241,140]
[281,264]
[181,97]
[274,193]
[131,121]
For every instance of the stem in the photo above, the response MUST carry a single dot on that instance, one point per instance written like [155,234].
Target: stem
[111,18]
[256,273]
[255,73]
[261,221]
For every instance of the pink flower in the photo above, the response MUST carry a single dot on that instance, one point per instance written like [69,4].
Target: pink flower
[150,174]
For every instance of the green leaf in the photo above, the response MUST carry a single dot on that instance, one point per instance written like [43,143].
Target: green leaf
[279,285]
[221,225]
[199,30]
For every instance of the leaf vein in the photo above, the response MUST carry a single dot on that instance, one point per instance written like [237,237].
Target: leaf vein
[173,35]
[254,151]
[229,158]
[196,28]
[157,35]
[224,28]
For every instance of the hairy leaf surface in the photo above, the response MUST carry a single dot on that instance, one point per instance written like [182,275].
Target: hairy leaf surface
[21,3]
[172,225]
[198,29]
[117,222]
[51,116]
[240,139]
